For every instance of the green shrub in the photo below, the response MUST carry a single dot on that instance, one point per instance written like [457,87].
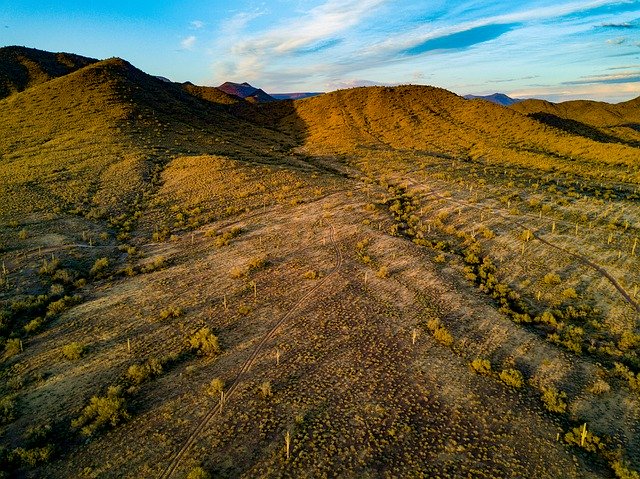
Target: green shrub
[32,457]
[171,312]
[33,326]
[73,351]
[553,400]
[139,373]
[7,409]
[102,411]
[621,470]
[215,387]
[99,266]
[481,366]
[439,332]
[49,267]
[552,278]
[198,473]
[592,443]
[12,347]
[204,342]
[512,377]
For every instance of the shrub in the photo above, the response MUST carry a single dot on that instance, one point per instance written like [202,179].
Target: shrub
[139,373]
[481,366]
[102,411]
[215,387]
[439,332]
[32,457]
[12,347]
[99,266]
[7,409]
[33,326]
[512,377]
[49,266]
[621,470]
[599,387]
[73,351]
[553,400]
[170,312]
[569,293]
[592,443]
[383,272]
[198,473]
[204,342]
[311,274]
[265,389]
[551,278]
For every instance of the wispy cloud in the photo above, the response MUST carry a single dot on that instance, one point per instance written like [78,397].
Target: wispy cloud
[607,78]
[616,41]
[189,42]
[197,24]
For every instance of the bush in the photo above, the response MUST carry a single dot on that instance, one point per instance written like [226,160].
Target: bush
[73,351]
[311,274]
[383,272]
[204,342]
[198,473]
[481,366]
[7,409]
[33,326]
[32,457]
[171,312]
[553,400]
[215,387]
[102,411]
[592,443]
[12,347]
[439,332]
[49,267]
[139,373]
[512,377]
[99,266]
[552,278]
[265,389]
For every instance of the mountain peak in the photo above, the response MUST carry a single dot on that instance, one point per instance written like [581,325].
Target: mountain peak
[497,98]
[246,91]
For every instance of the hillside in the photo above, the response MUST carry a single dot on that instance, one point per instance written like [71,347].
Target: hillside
[617,123]
[374,282]
[21,67]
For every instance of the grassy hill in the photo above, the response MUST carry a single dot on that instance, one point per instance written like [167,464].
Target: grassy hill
[375,282]
[21,67]
[604,122]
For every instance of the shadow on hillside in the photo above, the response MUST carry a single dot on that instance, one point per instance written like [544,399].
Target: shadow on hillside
[581,129]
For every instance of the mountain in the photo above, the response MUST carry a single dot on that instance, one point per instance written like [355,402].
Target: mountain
[497,98]
[22,67]
[294,96]
[246,91]
[372,282]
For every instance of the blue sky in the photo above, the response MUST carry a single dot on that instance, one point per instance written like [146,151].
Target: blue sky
[556,49]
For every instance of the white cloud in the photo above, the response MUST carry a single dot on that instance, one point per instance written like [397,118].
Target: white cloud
[188,42]
[197,24]
[616,41]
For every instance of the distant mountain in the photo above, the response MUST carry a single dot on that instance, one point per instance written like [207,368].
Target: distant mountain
[22,67]
[246,91]
[497,98]
[294,96]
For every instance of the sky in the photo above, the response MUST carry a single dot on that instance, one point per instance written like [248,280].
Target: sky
[553,49]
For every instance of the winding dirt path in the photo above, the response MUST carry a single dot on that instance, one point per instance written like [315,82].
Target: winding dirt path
[192,438]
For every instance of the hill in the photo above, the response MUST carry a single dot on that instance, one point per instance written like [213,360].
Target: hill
[614,123]
[374,282]
[22,67]
[497,98]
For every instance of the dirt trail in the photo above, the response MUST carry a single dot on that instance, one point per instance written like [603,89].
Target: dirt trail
[192,438]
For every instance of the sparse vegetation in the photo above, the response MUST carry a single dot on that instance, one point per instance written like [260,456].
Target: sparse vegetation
[102,411]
